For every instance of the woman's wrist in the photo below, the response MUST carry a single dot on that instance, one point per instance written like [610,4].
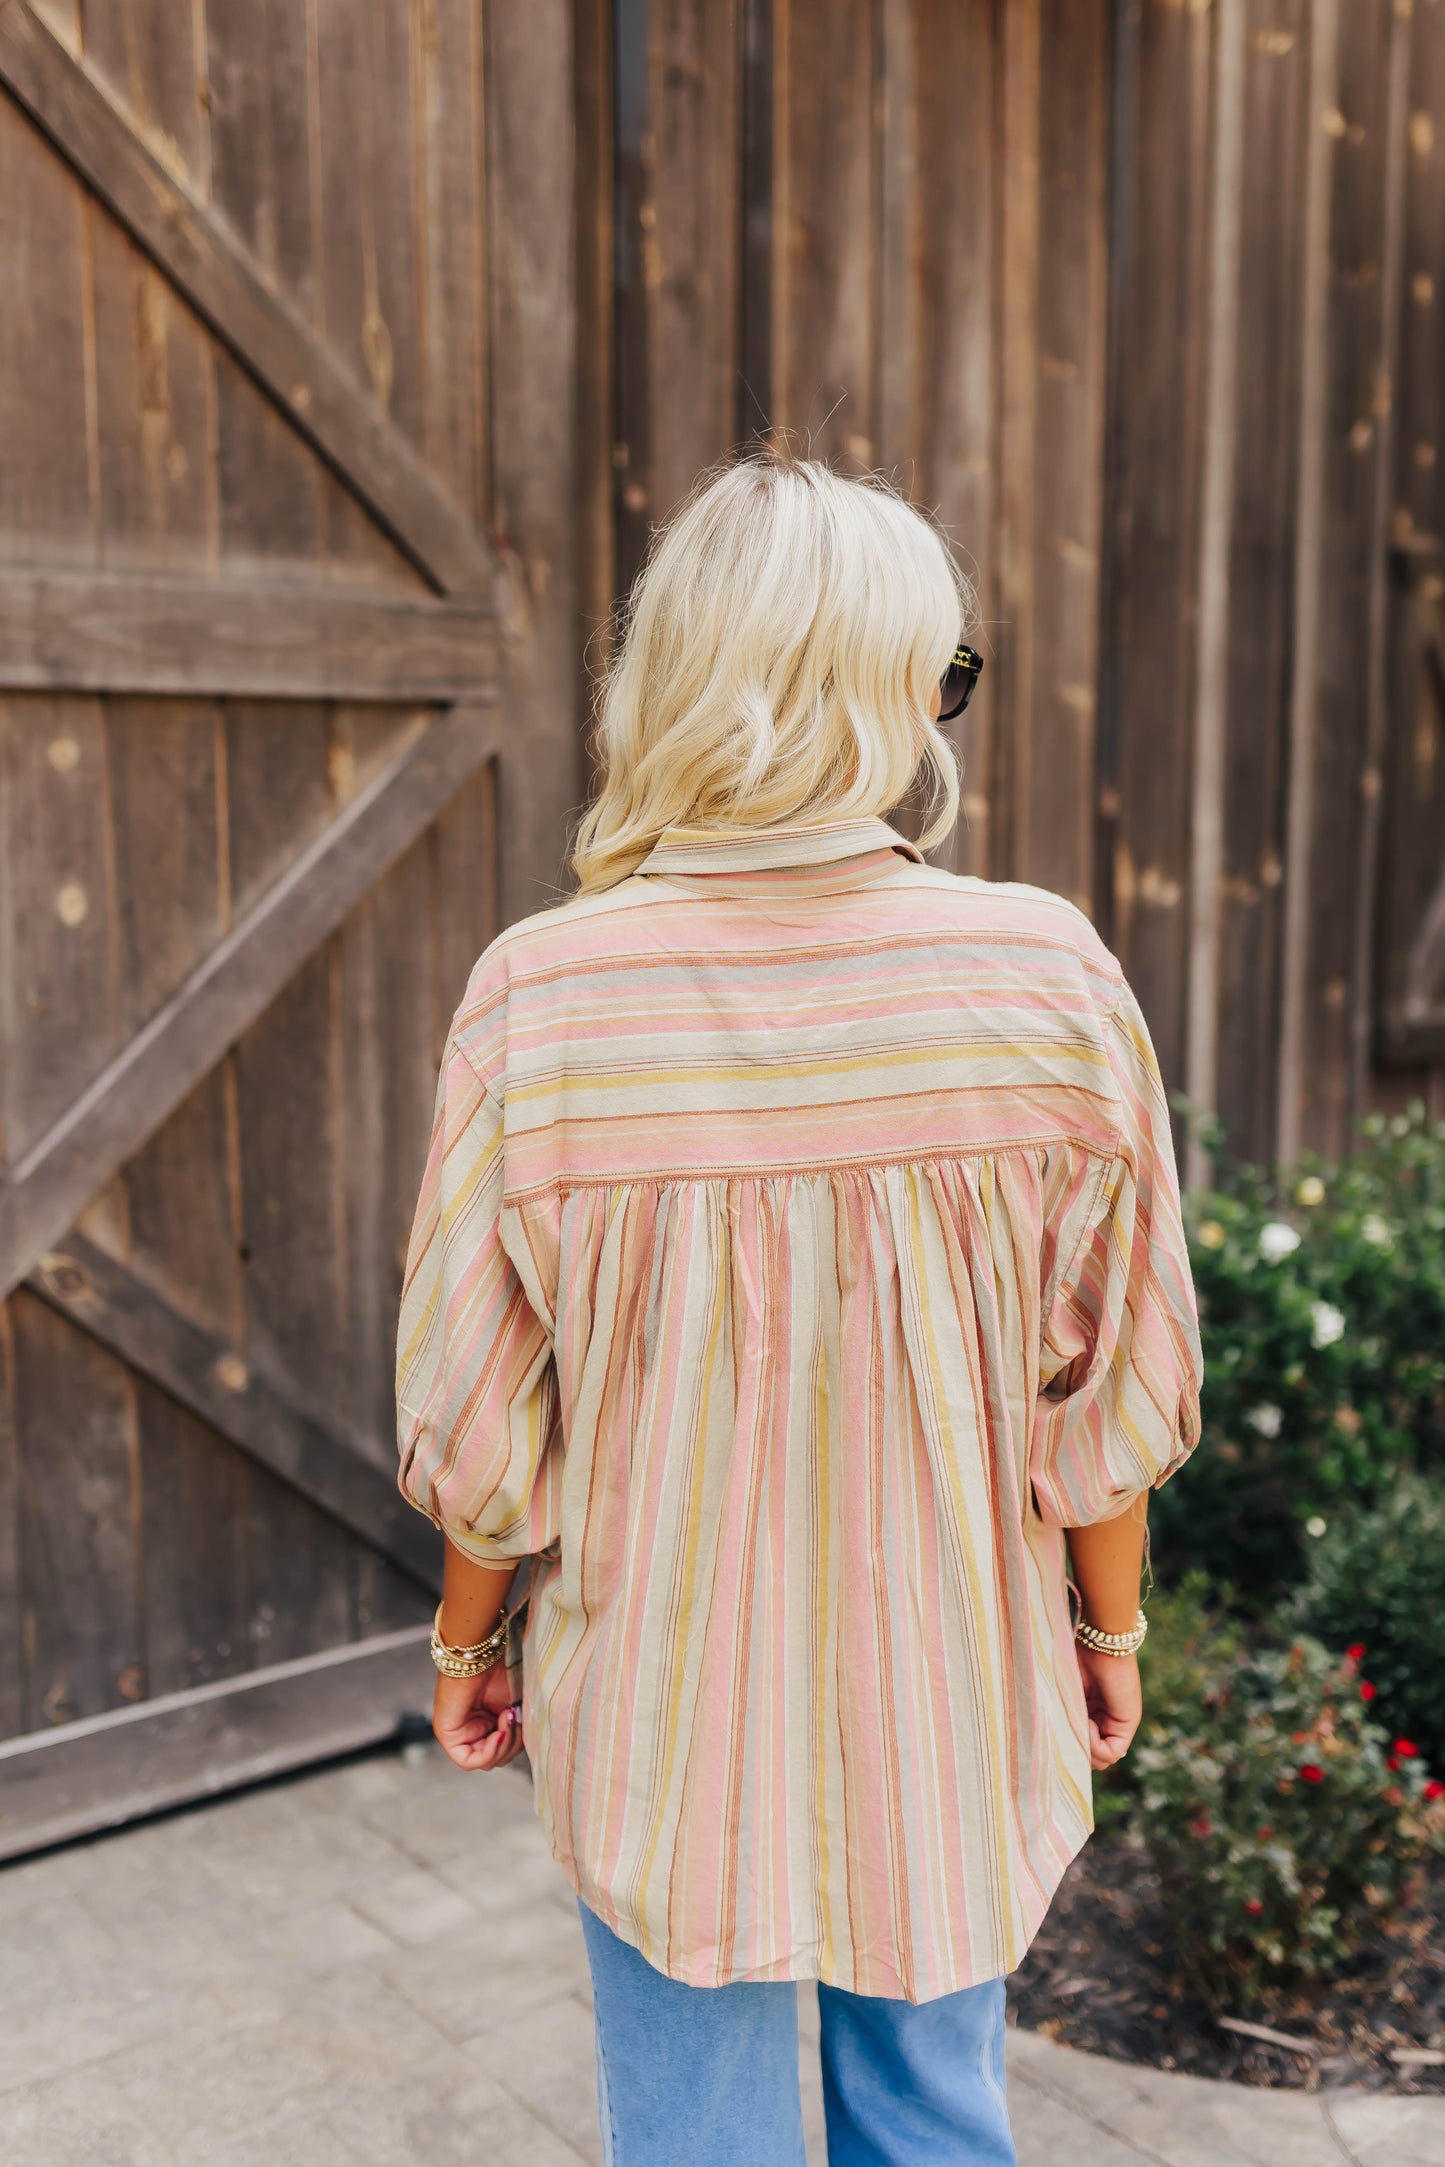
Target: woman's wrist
[1107,1559]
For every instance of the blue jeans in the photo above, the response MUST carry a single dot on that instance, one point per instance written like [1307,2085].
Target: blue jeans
[697,2076]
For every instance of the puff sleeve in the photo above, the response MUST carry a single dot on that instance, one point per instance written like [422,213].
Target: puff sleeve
[1120,1367]
[477,1408]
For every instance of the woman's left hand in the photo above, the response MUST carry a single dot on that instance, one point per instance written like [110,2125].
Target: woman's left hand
[475,1721]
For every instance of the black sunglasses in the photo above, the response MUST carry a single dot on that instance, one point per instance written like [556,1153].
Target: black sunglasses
[958,681]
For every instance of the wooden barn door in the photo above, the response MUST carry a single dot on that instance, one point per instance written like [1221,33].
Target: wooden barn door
[288,703]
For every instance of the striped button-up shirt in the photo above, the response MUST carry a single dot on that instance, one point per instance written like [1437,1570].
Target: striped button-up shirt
[798,1256]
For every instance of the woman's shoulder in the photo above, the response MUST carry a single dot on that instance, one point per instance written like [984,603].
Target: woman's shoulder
[1013,913]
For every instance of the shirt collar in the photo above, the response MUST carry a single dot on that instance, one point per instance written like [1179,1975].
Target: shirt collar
[749,850]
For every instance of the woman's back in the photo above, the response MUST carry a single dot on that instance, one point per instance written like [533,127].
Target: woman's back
[799,1255]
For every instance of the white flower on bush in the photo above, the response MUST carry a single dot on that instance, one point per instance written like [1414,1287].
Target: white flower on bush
[1277,1240]
[1265,1418]
[1376,1231]
[1327,1324]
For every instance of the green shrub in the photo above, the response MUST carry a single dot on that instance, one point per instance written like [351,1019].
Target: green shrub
[1322,1309]
[1281,1824]
[1190,1636]
[1377,1582]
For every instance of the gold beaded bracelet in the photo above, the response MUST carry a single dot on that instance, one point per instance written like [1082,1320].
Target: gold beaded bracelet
[1113,1643]
[480,1656]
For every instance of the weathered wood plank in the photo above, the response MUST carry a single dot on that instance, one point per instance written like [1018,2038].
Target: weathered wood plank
[533,342]
[691,243]
[47,446]
[220,279]
[126,632]
[385,1081]
[1321,140]
[58,1021]
[1357,396]
[195,1575]
[164,1061]
[451,265]
[1054,823]
[1264,491]
[1218,430]
[196,1744]
[1012,689]
[1395,131]
[756,179]
[1413,889]
[593,212]
[12,1646]
[952,432]
[79,1522]
[1157,352]
[825,352]
[253,1408]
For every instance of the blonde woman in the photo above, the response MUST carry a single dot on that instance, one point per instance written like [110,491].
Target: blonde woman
[798,1283]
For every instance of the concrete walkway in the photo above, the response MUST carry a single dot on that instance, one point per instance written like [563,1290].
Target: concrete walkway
[380,1964]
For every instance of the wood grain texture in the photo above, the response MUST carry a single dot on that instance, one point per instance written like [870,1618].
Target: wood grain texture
[219,278]
[83,1638]
[825,365]
[124,632]
[13,1682]
[204,1741]
[1154,535]
[1264,489]
[48,467]
[265,1416]
[1356,397]
[952,438]
[109,1120]
[57,926]
[533,342]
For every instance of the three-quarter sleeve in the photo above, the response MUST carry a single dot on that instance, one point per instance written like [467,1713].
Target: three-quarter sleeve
[476,1387]
[1120,1368]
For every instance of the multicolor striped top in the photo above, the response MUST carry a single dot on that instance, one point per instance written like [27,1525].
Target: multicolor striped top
[798,1256]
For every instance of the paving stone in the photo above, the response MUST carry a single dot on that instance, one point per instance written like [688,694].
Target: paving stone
[466,1983]
[381,1965]
[414,1906]
[318,2050]
[1376,2129]
[75,2122]
[447,2114]
[1180,2121]
[1048,2134]
[546,2058]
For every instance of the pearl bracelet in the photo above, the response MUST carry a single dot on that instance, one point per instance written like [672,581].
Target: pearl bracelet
[1113,1643]
[480,1656]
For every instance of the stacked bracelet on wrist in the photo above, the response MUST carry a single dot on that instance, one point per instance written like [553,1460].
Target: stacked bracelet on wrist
[1113,1643]
[481,1655]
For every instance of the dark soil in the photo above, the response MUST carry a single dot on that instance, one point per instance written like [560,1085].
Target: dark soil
[1099,1977]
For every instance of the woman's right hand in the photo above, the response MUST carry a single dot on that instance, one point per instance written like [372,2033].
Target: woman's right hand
[1114,1701]
[475,1721]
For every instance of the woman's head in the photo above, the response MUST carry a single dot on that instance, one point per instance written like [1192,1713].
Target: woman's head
[780,662]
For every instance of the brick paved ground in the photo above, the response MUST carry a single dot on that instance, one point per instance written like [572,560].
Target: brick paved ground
[380,1964]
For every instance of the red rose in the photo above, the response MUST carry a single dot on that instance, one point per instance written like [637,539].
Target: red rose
[1312,1773]
[1367,1691]
[1433,1789]
[1392,1760]
[1265,1833]
[1201,1826]
[1253,1905]
[1406,1748]
[1355,1650]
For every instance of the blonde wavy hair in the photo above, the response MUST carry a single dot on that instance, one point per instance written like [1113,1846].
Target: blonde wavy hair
[781,651]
